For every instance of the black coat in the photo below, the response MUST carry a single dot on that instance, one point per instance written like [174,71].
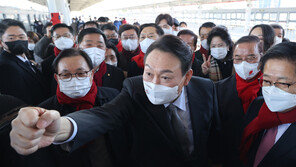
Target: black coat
[232,116]
[283,152]
[19,80]
[94,154]
[153,144]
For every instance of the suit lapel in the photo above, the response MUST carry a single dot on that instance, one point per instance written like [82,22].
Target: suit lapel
[283,145]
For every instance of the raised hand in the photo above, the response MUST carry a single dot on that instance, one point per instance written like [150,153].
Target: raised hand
[206,64]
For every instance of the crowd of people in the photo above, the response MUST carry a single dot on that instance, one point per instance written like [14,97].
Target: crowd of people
[102,93]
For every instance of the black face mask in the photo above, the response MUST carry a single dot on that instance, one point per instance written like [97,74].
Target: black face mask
[113,41]
[17,47]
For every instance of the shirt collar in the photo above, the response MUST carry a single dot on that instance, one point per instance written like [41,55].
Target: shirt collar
[24,59]
[180,102]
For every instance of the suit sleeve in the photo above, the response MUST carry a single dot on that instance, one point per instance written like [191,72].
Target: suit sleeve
[100,120]
[41,46]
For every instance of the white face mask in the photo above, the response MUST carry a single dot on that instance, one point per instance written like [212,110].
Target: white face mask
[75,88]
[246,70]
[145,44]
[168,31]
[182,28]
[64,43]
[160,94]
[175,33]
[204,44]
[111,63]
[31,46]
[96,55]
[219,53]
[277,40]
[130,44]
[278,100]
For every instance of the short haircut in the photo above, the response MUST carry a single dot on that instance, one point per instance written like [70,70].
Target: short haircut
[114,48]
[61,25]
[6,23]
[91,23]
[277,26]
[249,39]
[207,25]
[72,52]
[167,17]
[109,26]
[188,32]
[283,51]
[183,23]
[224,35]
[91,31]
[45,26]
[176,22]
[268,35]
[33,36]
[159,30]
[126,27]
[103,19]
[175,46]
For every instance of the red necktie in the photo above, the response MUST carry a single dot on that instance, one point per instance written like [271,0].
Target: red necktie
[266,144]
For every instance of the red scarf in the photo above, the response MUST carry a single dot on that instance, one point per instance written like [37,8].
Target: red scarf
[203,51]
[265,120]
[99,74]
[119,46]
[139,59]
[130,54]
[56,51]
[247,91]
[193,57]
[86,102]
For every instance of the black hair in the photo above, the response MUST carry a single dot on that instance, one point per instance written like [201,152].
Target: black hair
[109,26]
[183,23]
[102,19]
[91,31]
[282,51]
[224,35]
[61,25]
[114,48]
[159,30]
[126,27]
[268,35]
[167,17]
[177,47]
[72,52]
[207,25]
[45,26]
[189,32]
[6,23]
[90,23]
[176,22]
[250,39]
[277,26]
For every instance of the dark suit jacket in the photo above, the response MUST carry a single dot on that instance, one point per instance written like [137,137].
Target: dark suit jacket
[232,116]
[283,153]
[153,143]
[21,81]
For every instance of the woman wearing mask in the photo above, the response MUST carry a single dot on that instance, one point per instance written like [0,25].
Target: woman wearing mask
[112,55]
[266,35]
[219,64]
[166,22]
[148,34]
[269,137]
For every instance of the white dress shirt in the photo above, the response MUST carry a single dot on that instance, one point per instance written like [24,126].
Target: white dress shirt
[281,130]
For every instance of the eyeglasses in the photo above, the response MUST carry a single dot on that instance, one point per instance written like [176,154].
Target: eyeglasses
[79,75]
[249,59]
[280,85]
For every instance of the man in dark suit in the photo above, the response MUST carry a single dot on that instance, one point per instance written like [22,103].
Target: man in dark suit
[235,94]
[270,135]
[20,78]
[173,115]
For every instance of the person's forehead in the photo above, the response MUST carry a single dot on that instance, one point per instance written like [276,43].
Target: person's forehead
[278,30]
[110,52]
[93,38]
[61,30]
[205,30]
[14,30]
[160,60]
[148,30]
[187,38]
[129,32]
[163,22]
[217,40]
[245,49]
[72,64]
[279,68]
[257,31]
[109,31]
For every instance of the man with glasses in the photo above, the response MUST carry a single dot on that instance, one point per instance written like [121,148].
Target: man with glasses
[236,93]
[128,34]
[62,36]
[76,91]
[269,137]
[20,78]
